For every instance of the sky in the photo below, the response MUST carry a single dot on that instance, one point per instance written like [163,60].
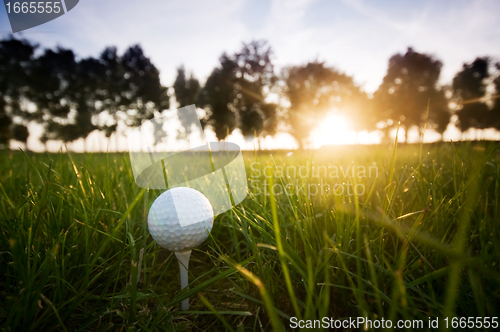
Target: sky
[356,36]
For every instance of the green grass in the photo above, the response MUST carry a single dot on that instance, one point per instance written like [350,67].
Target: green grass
[422,241]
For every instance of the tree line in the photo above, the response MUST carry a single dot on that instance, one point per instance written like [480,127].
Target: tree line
[71,97]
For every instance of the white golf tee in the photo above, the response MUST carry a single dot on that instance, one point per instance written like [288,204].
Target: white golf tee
[183,259]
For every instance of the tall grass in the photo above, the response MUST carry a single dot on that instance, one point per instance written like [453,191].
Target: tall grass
[421,241]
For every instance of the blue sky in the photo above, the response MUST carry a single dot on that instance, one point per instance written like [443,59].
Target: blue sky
[356,36]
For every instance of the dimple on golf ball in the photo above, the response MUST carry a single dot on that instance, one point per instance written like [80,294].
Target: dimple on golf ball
[180,219]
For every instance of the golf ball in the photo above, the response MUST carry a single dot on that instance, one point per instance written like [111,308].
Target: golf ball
[180,219]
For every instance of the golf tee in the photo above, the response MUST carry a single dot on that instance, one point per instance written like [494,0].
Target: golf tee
[183,259]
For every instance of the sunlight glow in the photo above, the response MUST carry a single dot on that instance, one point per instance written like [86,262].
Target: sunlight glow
[335,130]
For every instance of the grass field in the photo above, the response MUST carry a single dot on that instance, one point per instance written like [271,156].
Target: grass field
[420,240]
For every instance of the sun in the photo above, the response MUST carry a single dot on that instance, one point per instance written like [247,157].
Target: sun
[335,130]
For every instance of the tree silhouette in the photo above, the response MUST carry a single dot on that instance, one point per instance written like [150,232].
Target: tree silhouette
[5,123]
[72,97]
[255,75]
[186,93]
[409,86]
[234,94]
[142,91]
[495,117]
[469,91]
[15,69]
[186,89]
[76,97]
[20,133]
[63,95]
[314,91]
[217,97]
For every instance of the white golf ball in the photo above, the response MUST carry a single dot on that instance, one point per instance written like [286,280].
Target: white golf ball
[180,219]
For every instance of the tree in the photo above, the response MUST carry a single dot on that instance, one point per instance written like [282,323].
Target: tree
[20,133]
[314,91]
[255,77]
[235,92]
[496,99]
[72,97]
[64,95]
[408,88]
[478,108]
[186,93]
[217,97]
[5,123]
[186,89]
[15,71]
[75,98]
[469,87]
[141,90]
